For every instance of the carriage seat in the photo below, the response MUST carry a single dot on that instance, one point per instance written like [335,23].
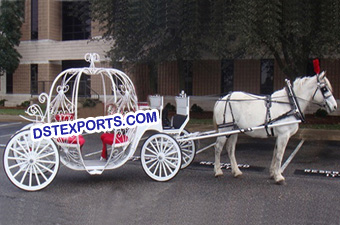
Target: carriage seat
[64,117]
[72,140]
[107,139]
[178,120]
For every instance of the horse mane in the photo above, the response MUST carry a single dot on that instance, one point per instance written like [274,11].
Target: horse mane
[299,81]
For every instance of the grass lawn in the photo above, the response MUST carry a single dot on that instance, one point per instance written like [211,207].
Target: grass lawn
[12,112]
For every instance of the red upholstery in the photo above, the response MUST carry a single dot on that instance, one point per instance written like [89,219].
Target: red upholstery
[64,117]
[72,140]
[107,139]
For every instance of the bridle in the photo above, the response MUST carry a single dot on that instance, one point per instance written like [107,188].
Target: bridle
[325,91]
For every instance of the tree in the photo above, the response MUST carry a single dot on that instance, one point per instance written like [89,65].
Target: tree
[153,31]
[11,19]
[291,31]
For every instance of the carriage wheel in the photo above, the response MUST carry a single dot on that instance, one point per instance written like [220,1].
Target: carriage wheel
[161,157]
[188,150]
[29,165]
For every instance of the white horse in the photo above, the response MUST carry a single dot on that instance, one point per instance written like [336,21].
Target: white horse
[244,110]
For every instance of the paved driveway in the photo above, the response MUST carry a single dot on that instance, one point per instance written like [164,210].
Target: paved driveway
[128,196]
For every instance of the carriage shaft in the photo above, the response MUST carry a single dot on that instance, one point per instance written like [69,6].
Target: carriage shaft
[231,132]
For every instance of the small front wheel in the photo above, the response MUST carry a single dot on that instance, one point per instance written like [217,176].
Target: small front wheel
[30,166]
[161,157]
[188,150]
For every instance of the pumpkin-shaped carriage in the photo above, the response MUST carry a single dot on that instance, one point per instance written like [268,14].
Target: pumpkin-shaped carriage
[32,165]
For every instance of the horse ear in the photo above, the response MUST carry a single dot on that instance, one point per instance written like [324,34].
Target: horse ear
[322,75]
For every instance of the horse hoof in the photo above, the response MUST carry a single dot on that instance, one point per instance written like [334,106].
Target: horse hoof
[281,182]
[238,174]
[218,174]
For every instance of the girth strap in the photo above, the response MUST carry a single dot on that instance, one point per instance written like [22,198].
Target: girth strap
[268,116]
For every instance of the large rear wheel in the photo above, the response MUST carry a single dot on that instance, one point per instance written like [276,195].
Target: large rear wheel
[29,165]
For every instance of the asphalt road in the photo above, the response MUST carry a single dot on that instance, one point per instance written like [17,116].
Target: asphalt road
[128,196]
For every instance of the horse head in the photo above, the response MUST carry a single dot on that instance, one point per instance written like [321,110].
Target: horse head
[323,93]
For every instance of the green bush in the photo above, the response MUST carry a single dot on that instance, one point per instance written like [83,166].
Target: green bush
[25,104]
[196,108]
[2,102]
[321,113]
[89,103]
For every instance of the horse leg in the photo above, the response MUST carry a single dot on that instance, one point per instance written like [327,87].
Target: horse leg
[271,169]
[231,144]
[281,144]
[220,141]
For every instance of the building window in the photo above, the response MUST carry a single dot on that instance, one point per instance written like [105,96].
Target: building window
[34,79]
[9,83]
[188,71]
[76,20]
[267,76]
[227,76]
[34,19]
[85,80]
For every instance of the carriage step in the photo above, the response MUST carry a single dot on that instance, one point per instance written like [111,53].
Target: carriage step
[95,172]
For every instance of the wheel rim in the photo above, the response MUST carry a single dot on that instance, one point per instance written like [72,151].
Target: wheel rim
[29,165]
[161,157]
[188,150]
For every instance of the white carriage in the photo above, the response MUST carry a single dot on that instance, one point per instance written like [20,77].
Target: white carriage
[32,165]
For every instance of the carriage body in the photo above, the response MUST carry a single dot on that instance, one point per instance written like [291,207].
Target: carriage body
[32,165]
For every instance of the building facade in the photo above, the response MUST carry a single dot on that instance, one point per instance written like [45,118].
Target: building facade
[55,37]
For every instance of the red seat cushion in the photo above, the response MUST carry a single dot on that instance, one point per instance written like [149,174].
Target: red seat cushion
[107,139]
[72,140]
[64,117]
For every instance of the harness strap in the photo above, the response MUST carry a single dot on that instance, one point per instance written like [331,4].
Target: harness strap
[268,116]
[293,100]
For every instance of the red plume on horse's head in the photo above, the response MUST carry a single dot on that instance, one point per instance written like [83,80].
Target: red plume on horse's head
[316,65]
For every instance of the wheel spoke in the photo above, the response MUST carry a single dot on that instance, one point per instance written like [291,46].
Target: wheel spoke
[36,175]
[170,163]
[169,146]
[151,151]
[25,150]
[16,158]
[187,144]
[30,177]
[167,166]
[150,161]
[185,155]
[150,156]
[16,151]
[19,171]
[16,165]
[24,176]
[166,174]
[46,161]
[153,165]
[27,144]
[38,153]
[171,158]
[44,156]
[172,153]
[44,167]
[37,148]
[42,174]
[154,172]
[157,145]
[156,149]
[160,169]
